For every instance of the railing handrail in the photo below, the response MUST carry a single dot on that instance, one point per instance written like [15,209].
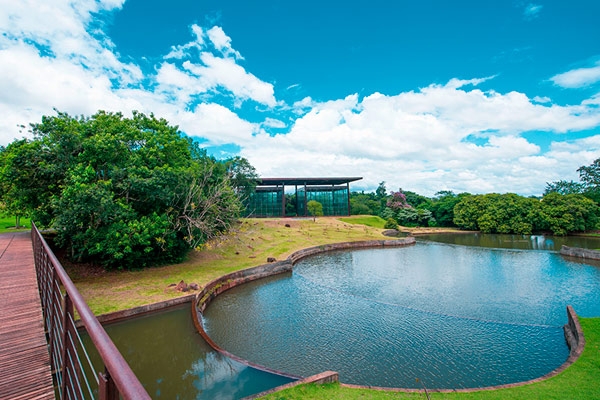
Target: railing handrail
[126,381]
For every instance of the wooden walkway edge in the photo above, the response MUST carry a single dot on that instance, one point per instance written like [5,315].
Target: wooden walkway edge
[24,360]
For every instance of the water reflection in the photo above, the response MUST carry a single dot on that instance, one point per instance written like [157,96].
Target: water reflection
[522,242]
[173,361]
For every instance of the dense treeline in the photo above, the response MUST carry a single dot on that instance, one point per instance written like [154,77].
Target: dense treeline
[124,192]
[565,207]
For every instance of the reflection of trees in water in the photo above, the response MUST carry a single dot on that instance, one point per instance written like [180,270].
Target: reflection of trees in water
[212,368]
[519,242]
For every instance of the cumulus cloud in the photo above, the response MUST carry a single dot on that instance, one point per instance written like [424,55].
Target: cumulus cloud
[424,141]
[579,77]
[51,57]
[454,136]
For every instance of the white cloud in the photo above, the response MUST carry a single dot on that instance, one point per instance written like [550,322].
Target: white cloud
[222,42]
[274,123]
[216,123]
[542,99]
[532,11]
[577,78]
[224,72]
[49,59]
[454,136]
[422,141]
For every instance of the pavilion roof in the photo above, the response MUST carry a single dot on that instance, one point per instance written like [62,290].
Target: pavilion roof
[306,181]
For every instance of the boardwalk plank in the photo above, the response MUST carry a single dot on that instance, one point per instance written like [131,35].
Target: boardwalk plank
[24,359]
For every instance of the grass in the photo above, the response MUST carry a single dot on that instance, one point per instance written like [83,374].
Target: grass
[7,224]
[579,381]
[251,244]
[368,220]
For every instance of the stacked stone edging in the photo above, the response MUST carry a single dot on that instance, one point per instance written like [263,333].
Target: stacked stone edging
[580,252]
[574,335]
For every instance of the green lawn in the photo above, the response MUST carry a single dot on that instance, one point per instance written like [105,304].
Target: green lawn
[368,220]
[7,224]
[580,381]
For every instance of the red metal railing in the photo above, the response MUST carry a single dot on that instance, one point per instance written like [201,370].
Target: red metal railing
[71,366]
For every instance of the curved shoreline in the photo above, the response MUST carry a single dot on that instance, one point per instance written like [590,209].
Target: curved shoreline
[573,331]
[233,279]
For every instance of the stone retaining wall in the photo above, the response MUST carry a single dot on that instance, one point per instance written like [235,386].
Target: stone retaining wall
[580,253]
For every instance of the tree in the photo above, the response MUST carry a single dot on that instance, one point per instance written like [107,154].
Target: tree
[498,213]
[590,176]
[564,214]
[442,207]
[315,209]
[364,204]
[381,191]
[242,175]
[404,213]
[564,187]
[125,192]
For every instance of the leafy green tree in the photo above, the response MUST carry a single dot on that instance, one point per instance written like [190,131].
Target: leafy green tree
[497,213]
[391,223]
[381,191]
[442,207]
[125,192]
[510,213]
[416,200]
[590,177]
[243,176]
[364,204]
[564,187]
[315,209]
[564,214]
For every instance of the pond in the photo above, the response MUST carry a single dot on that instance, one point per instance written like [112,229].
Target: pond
[172,360]
[451,316]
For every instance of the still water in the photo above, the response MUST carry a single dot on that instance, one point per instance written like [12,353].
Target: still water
[523,242]
[172,360]
[451,316]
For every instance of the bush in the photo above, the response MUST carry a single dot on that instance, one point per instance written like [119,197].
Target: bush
[391,224]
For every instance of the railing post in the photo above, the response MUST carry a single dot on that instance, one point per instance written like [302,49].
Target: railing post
[107,390]
[66,350]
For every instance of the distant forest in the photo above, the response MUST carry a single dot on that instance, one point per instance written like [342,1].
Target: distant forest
[565,207]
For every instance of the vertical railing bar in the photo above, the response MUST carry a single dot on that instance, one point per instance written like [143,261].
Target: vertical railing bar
[75,383]
[85,353]
[68,308]
[74,335]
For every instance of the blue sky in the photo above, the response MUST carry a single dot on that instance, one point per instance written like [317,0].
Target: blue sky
[494,96]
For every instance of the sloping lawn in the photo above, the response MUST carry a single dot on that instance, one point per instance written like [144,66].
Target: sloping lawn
[249,245]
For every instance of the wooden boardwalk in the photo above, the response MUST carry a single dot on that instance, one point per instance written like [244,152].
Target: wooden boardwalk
[24,361]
